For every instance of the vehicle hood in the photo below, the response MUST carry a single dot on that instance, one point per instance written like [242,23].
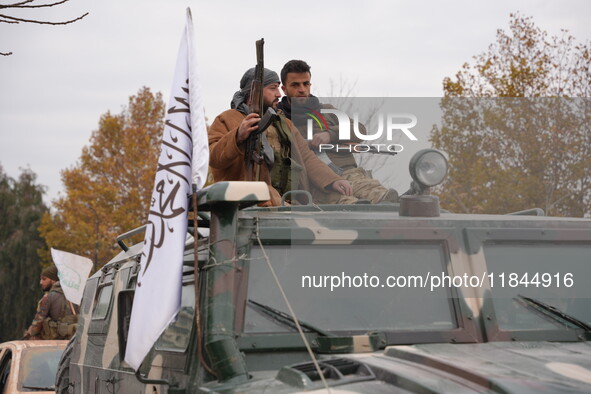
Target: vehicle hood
[503,367]
[497,367]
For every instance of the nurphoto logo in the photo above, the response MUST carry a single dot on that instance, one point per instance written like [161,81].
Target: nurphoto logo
[388,125]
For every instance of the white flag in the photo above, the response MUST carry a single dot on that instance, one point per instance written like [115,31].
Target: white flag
[72,271]
[157,296]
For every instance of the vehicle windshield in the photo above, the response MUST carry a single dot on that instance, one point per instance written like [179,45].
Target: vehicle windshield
[309,276]
[39,367]
[385,287]
[548,272]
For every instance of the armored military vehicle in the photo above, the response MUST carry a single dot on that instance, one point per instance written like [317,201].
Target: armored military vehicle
[383,298]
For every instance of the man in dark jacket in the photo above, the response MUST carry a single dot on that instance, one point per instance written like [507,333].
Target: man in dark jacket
[55,317]
[295,79]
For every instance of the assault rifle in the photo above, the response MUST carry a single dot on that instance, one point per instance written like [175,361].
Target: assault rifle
[257,148]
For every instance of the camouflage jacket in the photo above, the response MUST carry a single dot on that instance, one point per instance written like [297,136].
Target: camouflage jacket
[53,306]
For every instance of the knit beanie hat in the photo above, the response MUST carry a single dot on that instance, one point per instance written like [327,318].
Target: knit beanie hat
[50,272]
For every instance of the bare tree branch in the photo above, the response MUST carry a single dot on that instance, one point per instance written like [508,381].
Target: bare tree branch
[27,4]
[42,22]
[15,5]
[22,4]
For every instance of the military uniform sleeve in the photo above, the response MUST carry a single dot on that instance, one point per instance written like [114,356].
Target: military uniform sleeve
[42,312]
[224,150]
[318,172]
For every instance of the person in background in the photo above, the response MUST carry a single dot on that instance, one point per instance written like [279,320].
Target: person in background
[56,318]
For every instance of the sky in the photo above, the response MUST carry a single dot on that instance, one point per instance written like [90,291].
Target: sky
[61,79]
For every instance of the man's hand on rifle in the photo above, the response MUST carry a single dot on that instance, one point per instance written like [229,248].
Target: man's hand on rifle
[342,186]
[248,125]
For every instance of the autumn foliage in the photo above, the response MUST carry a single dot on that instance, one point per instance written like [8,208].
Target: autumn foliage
[517,126]
[108,191]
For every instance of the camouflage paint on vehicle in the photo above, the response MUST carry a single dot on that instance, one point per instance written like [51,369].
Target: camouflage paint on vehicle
[249,347]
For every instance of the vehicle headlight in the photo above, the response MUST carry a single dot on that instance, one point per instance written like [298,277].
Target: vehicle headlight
[428,167]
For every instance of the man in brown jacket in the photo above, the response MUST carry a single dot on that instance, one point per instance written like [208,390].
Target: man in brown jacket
[293,158]
[55,317]
[295,79]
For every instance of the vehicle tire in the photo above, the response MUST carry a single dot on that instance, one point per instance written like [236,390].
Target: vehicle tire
[62,378]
